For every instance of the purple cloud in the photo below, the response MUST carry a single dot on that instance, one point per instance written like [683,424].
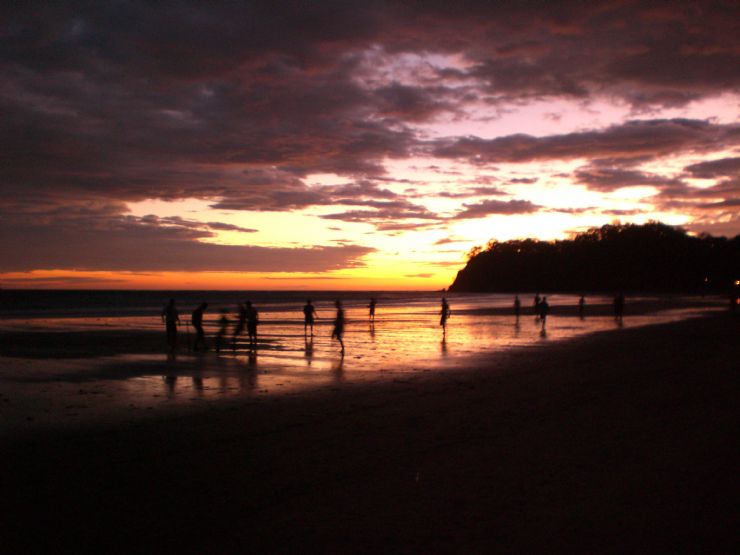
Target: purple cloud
[489,207]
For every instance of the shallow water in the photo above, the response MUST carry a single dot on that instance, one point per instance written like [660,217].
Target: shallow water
[404,342]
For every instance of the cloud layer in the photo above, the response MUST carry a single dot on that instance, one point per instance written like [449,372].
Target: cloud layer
[238,104]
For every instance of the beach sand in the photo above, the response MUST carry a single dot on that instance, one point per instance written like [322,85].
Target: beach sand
[621,441]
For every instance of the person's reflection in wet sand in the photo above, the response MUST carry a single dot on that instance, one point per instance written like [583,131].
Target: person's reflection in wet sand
[337,370]
[248,379]
[170,383]
[223,324]
[197,320]
[252,321]
[443,346]
[543,333]
[198,383]
[308,352]
[241,322]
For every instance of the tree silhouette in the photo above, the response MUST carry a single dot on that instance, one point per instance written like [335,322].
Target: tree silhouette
[653,257]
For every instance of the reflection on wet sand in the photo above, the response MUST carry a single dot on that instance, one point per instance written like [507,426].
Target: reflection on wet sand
[401,340]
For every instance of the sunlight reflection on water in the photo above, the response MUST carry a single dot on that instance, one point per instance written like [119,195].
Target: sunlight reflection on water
[405,339]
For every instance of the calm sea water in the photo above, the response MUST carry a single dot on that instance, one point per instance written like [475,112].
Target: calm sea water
[405,339]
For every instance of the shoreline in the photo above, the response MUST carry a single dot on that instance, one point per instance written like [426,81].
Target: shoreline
[78,379]
[59,343]
[612,442]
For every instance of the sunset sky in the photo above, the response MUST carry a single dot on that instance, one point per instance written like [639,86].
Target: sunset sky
[351,145]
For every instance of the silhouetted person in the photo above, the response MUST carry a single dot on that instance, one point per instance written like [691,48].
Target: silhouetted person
[223,324]
[444,315]
[252,321]
[197,320]
[544,309]
[240,323]
[309,315]
[371,306]
[582,307]
[517,306]
[171,318]
[619,306]
[339,325]
[536,304]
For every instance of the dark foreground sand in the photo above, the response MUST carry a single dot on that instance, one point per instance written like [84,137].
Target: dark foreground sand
[621,442]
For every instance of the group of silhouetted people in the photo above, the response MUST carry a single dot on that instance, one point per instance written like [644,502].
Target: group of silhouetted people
[541,308]
[248,317]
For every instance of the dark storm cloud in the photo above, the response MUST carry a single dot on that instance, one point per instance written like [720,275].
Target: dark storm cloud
[610,179]
[714,168]
[218,226]
[729,203]
[384,211]
[285,196]
[489,207]
[632,140]
[645,53]
[622,212]
[686,195]
[472,192]
[413,103]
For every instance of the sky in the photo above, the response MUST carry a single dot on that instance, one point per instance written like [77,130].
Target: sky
[351,145]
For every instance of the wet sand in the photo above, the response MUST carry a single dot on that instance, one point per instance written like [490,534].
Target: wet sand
[622,441]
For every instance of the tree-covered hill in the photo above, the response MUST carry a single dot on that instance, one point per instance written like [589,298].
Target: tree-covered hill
[652,257]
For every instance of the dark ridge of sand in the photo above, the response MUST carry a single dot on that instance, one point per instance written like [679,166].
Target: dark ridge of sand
[620,442]
[78,344]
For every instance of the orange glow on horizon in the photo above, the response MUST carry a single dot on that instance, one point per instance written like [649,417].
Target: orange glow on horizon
[228,281]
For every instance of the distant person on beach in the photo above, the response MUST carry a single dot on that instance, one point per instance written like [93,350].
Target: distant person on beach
[197,320]
[582,307]
[171,318]
[444,316]
[252,321]
[619,306]
[223,324]
[339,325]
[309,315]
[536,304]
[371,306]
[517,306]
[240,323]
[544,309]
